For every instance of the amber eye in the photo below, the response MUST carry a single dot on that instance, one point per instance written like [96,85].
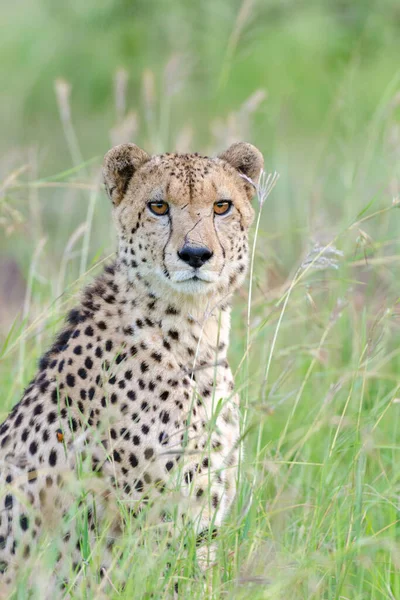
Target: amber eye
[222,207]
[158,207]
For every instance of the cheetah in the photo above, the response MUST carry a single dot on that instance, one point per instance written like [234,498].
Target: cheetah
[136,388]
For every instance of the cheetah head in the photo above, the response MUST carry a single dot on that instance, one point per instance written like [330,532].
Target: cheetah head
[183,219]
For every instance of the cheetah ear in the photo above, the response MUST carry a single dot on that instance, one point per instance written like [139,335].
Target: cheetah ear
[120,164]
[245,158]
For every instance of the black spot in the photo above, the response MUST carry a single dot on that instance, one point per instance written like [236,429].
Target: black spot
[75,316]
[8,502]
[139,485]
[148,453]
[51,417]
[53,458]
[72,424]
[164,416]
[120,358]
[43,386]
[164,395]
[78,350]
[61,342]
[117,456]
[4,428]
[91,393]
[33,447]
[169,465]
[173,334]
[99,352]
[133,460]
[136,440]
[109,345]
[38,409]
[131,395]
[171,310]
[101,325]
[24,522]
[124,433]
[163,438]
[82,373]
[157,356]
[44,362]
[70,379]
[88,362]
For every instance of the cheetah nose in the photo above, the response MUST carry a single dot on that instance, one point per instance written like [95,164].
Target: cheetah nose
[195,256]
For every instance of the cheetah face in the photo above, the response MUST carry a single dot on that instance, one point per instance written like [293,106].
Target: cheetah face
[183,219]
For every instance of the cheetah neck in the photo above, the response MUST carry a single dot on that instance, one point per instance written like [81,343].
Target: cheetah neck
[196,326]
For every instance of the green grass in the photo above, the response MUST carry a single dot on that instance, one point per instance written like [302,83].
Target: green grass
[316,515]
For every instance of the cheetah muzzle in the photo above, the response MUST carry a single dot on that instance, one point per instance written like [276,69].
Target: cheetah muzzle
[136,392]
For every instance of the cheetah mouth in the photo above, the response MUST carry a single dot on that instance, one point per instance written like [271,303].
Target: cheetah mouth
[194,275]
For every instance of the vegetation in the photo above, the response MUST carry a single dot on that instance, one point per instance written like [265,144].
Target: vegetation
[315,337]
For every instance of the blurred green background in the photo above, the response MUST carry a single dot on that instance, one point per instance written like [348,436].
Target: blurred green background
[316,86]
[303,80]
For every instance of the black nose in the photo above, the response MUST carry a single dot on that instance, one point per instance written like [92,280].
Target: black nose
[195,256]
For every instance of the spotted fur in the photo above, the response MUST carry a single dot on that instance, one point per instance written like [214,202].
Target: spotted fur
[136,390]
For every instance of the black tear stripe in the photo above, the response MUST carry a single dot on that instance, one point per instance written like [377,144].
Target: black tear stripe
[222,248]
[241,217]
[166,272]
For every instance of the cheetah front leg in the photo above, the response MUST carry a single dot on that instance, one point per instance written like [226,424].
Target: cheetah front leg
[208,486]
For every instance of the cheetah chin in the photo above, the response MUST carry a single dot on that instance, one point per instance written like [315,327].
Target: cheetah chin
[134,401]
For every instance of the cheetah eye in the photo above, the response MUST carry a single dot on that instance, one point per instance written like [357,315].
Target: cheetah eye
[158,207]
[222,207]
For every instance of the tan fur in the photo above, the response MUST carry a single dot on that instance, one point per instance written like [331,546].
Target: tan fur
[137,387]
